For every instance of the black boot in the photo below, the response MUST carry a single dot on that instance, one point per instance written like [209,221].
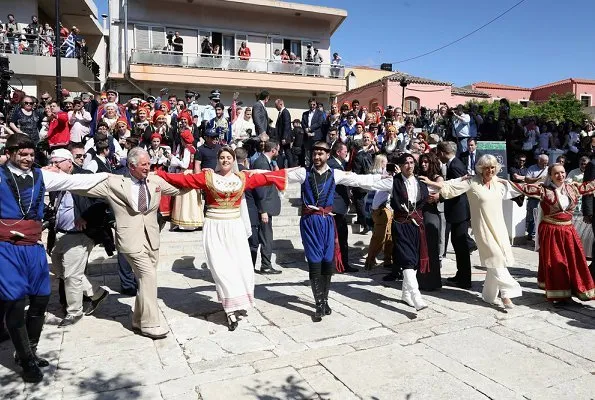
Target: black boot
[317,291]
[15,324]
[326,279]
[34,327]
[3,332]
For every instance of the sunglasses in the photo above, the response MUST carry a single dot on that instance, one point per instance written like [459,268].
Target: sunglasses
[78,155]
[45,98]
[28,103]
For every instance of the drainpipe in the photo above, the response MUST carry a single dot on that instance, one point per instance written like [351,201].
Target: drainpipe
[126,71]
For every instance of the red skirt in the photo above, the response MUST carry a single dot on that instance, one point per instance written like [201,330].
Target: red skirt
[563,269]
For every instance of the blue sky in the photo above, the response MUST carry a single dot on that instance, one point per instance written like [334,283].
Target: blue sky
[538,42]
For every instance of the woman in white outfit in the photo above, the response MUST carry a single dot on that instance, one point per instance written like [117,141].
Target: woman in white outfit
[485,193]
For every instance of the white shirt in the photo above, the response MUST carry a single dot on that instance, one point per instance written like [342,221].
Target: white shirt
[412,186]
[92,165]
[62,181]
[310,115]
[135,188]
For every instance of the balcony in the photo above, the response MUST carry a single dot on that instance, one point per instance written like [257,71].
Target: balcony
[34,58]
[162,66]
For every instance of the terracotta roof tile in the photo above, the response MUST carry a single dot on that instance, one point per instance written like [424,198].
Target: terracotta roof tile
[490,85]
[416,79]
[468,92]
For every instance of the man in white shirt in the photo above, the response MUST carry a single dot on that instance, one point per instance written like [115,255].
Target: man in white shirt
[460,127]
[536,173]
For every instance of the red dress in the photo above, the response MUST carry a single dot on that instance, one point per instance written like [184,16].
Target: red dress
[563,269]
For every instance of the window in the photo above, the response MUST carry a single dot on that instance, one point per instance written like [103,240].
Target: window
[524,103]
[149,37]
[411,104]
[586,100]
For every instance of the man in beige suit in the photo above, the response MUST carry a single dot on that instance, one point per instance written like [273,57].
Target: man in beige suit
[135,202]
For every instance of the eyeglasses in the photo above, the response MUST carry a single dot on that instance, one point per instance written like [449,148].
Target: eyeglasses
[58,162]
[28,103]
[45,98]
[78,155]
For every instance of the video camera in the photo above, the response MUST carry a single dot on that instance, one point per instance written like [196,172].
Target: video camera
[170,37]
[5,76]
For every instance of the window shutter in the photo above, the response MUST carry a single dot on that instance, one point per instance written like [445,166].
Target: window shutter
[142,40]
[158,38]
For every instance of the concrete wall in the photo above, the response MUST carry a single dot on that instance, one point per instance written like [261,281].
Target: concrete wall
[510,94]
[22,10]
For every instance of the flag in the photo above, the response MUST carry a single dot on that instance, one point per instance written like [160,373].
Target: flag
[69,44]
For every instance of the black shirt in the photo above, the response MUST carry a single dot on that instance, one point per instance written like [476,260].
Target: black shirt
[207,156]
[178,44]
[518,171]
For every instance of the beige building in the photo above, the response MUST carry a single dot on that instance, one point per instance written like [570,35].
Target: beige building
[143,60]
[356,77]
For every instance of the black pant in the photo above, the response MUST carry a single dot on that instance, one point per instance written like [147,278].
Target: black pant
[265,239]
[343,235]
[253,243]
[458,237]
[285,157]
[127,278]
[359,196]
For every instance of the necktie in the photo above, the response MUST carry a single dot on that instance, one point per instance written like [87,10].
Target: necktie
[472,161]
[142,197]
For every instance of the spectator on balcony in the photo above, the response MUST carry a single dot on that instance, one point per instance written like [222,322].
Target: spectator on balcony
[276,55]
[217,50]
[26,120]
[64,32]
[33,31]
[178,43]
[79,120]
[206,48]
[284,56]
[47,41]
[58,129]
[244,52]
[336,65]
[12,33]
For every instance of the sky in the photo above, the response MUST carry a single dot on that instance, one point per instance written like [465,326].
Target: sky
[538,42]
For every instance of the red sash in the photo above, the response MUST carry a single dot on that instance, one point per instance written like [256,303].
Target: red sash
[25,232]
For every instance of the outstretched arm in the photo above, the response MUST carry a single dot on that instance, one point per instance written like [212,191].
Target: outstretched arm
[528,189]
[189,181]
[277,178]
[296,175]
[61,181]
[585,188]
[366,182]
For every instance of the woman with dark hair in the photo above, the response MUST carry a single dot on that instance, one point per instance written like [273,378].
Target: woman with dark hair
[429,166]
[26,120]
[563,269]
[227,226]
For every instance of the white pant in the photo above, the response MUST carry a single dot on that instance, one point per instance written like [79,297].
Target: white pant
[69,260]
[499,280]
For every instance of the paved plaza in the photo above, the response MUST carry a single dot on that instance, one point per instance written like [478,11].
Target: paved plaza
[371,347]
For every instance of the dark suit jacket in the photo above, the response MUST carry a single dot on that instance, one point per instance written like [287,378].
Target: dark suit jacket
[260,117]
[316,126]
[252,209]
[283,127]
[341,199]
[464,157]
[266,197]
[456,210]
[587,205]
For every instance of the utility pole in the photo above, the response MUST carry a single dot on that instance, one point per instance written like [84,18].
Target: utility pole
[57,49]
[403,83]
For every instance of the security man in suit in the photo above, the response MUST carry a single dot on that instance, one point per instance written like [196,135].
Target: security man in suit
[269,205]
[260,116]
[457,214]
[470,157]
[587,207]
[341,203]
[283,132]
[312,122]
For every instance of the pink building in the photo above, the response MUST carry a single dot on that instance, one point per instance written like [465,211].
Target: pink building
[583,89]
[418,92]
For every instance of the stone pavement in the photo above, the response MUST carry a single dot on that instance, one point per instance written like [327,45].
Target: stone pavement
[371,347]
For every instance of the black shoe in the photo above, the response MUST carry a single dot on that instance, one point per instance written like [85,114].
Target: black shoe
[452,279]
[462,285]
[390,277]
[472,249]
[70,320]
[349,268]
[319,313]
[31,372]
[96,303]
[128,292]
[327,308]
[270,271]
[41,362]
[4,336]
[232,322]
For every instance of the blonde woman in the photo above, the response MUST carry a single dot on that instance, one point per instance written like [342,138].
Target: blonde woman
[485,193]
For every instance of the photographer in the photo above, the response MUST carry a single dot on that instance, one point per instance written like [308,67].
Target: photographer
[12,33]
[79,120]
[460,128]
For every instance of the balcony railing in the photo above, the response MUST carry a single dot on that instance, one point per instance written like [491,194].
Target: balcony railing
[234,63]
[43,45]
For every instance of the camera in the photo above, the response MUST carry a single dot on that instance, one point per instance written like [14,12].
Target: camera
[391,168]
[170,37]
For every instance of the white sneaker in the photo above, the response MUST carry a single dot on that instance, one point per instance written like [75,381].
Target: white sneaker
[406,298]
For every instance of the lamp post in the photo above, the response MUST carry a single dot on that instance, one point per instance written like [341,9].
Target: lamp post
[403,83]
[57,50]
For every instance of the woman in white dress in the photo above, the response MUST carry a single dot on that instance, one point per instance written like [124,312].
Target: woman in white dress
[226,229]
[485,193]
[186,214]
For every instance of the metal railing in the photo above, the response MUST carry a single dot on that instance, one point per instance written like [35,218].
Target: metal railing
[43,45]
[235,63]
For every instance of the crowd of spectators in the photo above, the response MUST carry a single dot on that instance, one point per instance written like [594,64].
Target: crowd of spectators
[37,38]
